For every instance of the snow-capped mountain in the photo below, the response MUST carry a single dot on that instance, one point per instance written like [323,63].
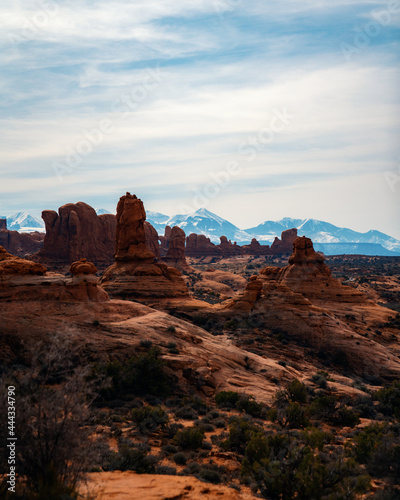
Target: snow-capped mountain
[322,232]
[23,222]
[202,222]
[327,237]
[102,211]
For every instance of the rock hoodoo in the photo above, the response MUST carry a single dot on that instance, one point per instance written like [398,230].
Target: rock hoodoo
[285,244]
[198,245]
[164,241]
[77,232]
[152,242]
[82,266]
[3,224]
[135,273]
[176,251]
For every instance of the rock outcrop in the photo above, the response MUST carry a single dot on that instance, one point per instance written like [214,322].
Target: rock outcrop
[285,244]
[3,224]
[11,265]
[20,244]
[136,274]
[77,232]
[176,250]
[305,301]
[198,245]
[228,249]
[82,266]
[164,241]
[152,242]
[23,281]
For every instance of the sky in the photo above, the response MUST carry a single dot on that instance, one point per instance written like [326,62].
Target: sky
[256,110]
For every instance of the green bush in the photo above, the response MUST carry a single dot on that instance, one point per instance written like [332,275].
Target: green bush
[130,458]
[190,438]
[227,399]
[149,418]
[240,433]
[143,374]
[283,467]
[179,458]
[241,402]
[389,399]
[297,391]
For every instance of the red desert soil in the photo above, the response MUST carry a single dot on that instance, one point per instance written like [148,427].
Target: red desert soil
[128,485]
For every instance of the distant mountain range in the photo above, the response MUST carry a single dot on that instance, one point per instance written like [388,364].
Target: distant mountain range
[327,238]
[23,222]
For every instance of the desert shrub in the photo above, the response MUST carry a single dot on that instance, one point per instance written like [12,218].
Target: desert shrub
[132,458]
[249,405]
[345,417]
[378,447]
[323,407]
[179,458]
[389,399]
[297,391]
[149,418]
[364,406]
[190,438]
[143,374]
[241,402]
[171,329]
[146,343]
[283,467]
[169,449]
[240,433]
[227,399]
[186,413]
[206,427]
[53,405]
[296,417]
[320,381]
[220,424]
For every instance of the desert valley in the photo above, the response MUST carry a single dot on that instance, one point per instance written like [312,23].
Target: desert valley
[170,367]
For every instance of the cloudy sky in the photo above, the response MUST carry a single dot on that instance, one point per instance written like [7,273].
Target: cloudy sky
[255,109]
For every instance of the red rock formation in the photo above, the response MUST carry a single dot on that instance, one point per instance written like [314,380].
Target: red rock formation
[228,249]
[82,266]
[309,275]
[285,244]
[198,245]
[306,302]
[130,235]
[152,242]
[255,248]
[21,244]
[135,273]
[176,251]
[22,280]
[9,264]
[164,241]
[3,224]
[77,232]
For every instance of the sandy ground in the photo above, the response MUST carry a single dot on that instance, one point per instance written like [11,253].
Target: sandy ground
[132,486]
